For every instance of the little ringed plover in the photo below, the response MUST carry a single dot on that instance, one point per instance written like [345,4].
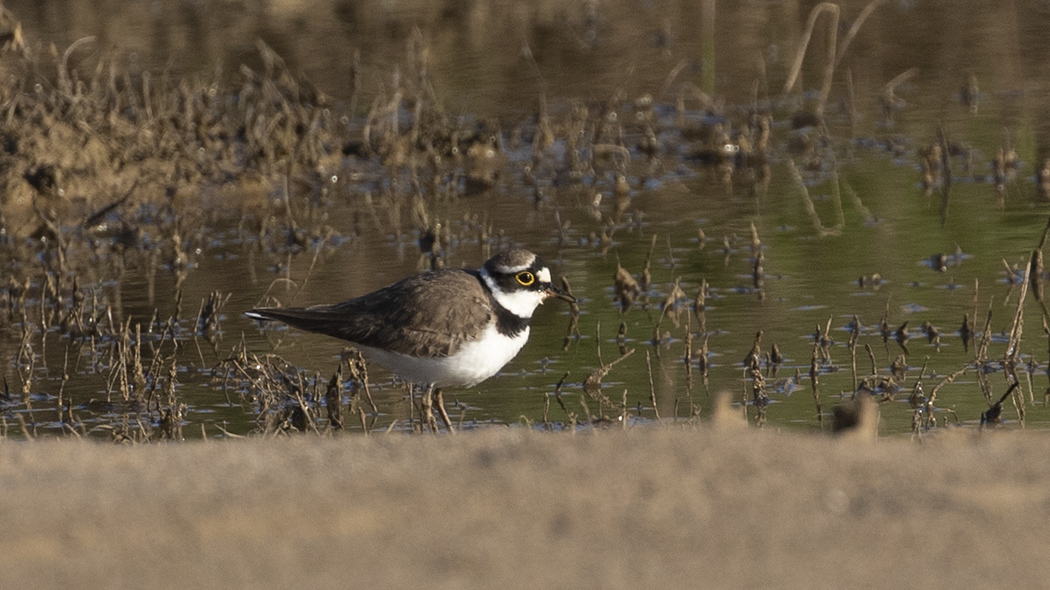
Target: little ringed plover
[447,328]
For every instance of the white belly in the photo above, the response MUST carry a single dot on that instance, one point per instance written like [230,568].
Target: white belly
[476,361]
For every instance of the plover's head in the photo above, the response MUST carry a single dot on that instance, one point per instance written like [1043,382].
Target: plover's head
[520,281]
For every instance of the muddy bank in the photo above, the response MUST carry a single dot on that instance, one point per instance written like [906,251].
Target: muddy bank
[642,508]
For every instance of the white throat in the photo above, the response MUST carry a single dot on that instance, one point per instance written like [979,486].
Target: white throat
[519,303]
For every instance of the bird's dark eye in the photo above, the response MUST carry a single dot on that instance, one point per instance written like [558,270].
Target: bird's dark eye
[526,278]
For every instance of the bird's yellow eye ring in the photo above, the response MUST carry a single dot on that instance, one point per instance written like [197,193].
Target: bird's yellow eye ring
[525,278]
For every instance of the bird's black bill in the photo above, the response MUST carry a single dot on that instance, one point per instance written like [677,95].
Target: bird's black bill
[557,293]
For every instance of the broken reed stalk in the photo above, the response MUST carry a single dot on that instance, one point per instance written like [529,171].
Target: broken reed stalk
[916,391]
[858,204]
[426,409]
[857,23]
[743,394]
[700,306]
[852,346]
[652,387]
[702,359]
[647,275]
[835,54]
[829,65]
[1035,278]
[943,382]
[587,413]
[814,372]
[25,357]
[807,202]
[333,400]
[688,362]
[825,339]
[1013,347]
[61,388]
[593,383]
[1014,343]
[899,79]
[557,396]
[1033,365]
[1046,395]
[1042,238]
[973,318]
[840,215]
[359,373]
[759,396]
[574,316]
[986,337]
[1036,270]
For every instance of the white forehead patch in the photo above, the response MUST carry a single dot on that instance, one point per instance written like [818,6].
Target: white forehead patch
[544,275]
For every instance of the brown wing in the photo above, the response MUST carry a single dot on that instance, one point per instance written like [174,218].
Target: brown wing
[425,315]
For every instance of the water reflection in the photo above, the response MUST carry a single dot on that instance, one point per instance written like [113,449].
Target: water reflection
[479,50]
[855,249]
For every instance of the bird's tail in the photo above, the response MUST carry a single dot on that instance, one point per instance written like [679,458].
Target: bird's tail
[311,319]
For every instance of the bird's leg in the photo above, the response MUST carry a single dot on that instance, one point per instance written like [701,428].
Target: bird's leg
[439,400]
[428,409]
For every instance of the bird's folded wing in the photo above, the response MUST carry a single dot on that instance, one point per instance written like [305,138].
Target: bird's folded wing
[426,315]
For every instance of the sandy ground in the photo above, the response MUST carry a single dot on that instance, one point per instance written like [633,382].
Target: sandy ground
[510,508]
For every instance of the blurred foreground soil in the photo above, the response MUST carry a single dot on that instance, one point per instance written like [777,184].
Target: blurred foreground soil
[512,508]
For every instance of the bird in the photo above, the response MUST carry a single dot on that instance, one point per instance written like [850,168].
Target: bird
[439,329]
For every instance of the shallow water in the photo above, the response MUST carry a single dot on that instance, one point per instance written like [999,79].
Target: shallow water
[881,220]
